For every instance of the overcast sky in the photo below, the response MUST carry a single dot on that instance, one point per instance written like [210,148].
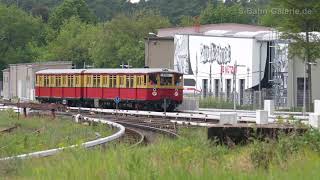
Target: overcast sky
[134,1]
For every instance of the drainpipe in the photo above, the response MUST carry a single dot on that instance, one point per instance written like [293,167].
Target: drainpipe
[260,76]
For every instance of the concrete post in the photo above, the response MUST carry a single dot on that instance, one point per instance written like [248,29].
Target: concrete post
[269,106]
[317,106]
[261,117]
[228,118]
[314,120]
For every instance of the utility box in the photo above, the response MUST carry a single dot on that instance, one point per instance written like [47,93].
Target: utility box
[261,117]
[228,118]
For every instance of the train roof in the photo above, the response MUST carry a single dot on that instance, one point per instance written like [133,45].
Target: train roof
[60,71]
[107,71]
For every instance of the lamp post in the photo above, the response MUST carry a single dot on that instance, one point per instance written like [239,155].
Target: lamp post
[305,85]
[234,84]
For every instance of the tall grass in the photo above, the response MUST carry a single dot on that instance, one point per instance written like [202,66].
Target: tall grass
[212,102]
[41,133]
[191,157]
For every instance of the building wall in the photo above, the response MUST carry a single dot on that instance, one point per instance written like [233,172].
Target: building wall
[296,71]
[21,78]
[5,90]
[159,53]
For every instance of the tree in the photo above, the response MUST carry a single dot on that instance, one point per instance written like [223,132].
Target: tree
[73,43]
[68,9]
[297,20]
[222,13]
[19,33]
[187,21]
[122,40]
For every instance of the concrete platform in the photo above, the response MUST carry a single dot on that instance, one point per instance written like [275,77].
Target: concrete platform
[241,133]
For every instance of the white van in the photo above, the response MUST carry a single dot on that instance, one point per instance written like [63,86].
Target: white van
[189,85]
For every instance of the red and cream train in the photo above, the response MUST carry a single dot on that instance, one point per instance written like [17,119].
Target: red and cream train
[147,88]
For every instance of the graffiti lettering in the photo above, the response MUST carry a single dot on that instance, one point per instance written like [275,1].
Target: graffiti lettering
[215,53]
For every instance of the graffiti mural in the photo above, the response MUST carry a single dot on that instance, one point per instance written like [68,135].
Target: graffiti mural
[215,53]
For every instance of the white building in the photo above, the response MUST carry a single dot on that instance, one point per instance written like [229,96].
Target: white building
[261,59]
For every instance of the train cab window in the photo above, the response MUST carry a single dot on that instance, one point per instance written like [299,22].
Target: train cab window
[166,79]
[112,81]
[96,81]
[58,81]
[178,80]
[70,81]
[122,81]
[153,79]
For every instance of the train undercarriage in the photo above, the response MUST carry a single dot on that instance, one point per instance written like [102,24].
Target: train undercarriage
[158,105]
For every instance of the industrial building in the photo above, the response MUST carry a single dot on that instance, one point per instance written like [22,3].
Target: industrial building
[19,79]
[251,60]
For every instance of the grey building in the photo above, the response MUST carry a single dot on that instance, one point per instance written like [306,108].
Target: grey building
[159,52]
[296,82]
[19,79]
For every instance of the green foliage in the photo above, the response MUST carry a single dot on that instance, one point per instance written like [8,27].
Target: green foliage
[222,13]
[68,9]
[41,133]
[189,157]
[74,42]
[212,102]
[122,40]
[187,21]
[19,32]
[304,18]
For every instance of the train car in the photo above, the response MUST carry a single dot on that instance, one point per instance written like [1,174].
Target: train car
[146,88]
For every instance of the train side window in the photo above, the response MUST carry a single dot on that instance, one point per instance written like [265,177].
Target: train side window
[77,79]
[122,81]
[64,81]
[96,80]
[112,81]
[129,81]
[46,81]
[52,81]
[144,80]
[138,81]
[37,80]
[70,81]
[41,81]
[88,80]
[104,81]
[58,81]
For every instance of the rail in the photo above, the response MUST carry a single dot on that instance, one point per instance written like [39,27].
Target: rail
[88,144]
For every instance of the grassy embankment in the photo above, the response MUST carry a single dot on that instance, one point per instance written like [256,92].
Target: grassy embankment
[191,157]
[212,102]
[41,133]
